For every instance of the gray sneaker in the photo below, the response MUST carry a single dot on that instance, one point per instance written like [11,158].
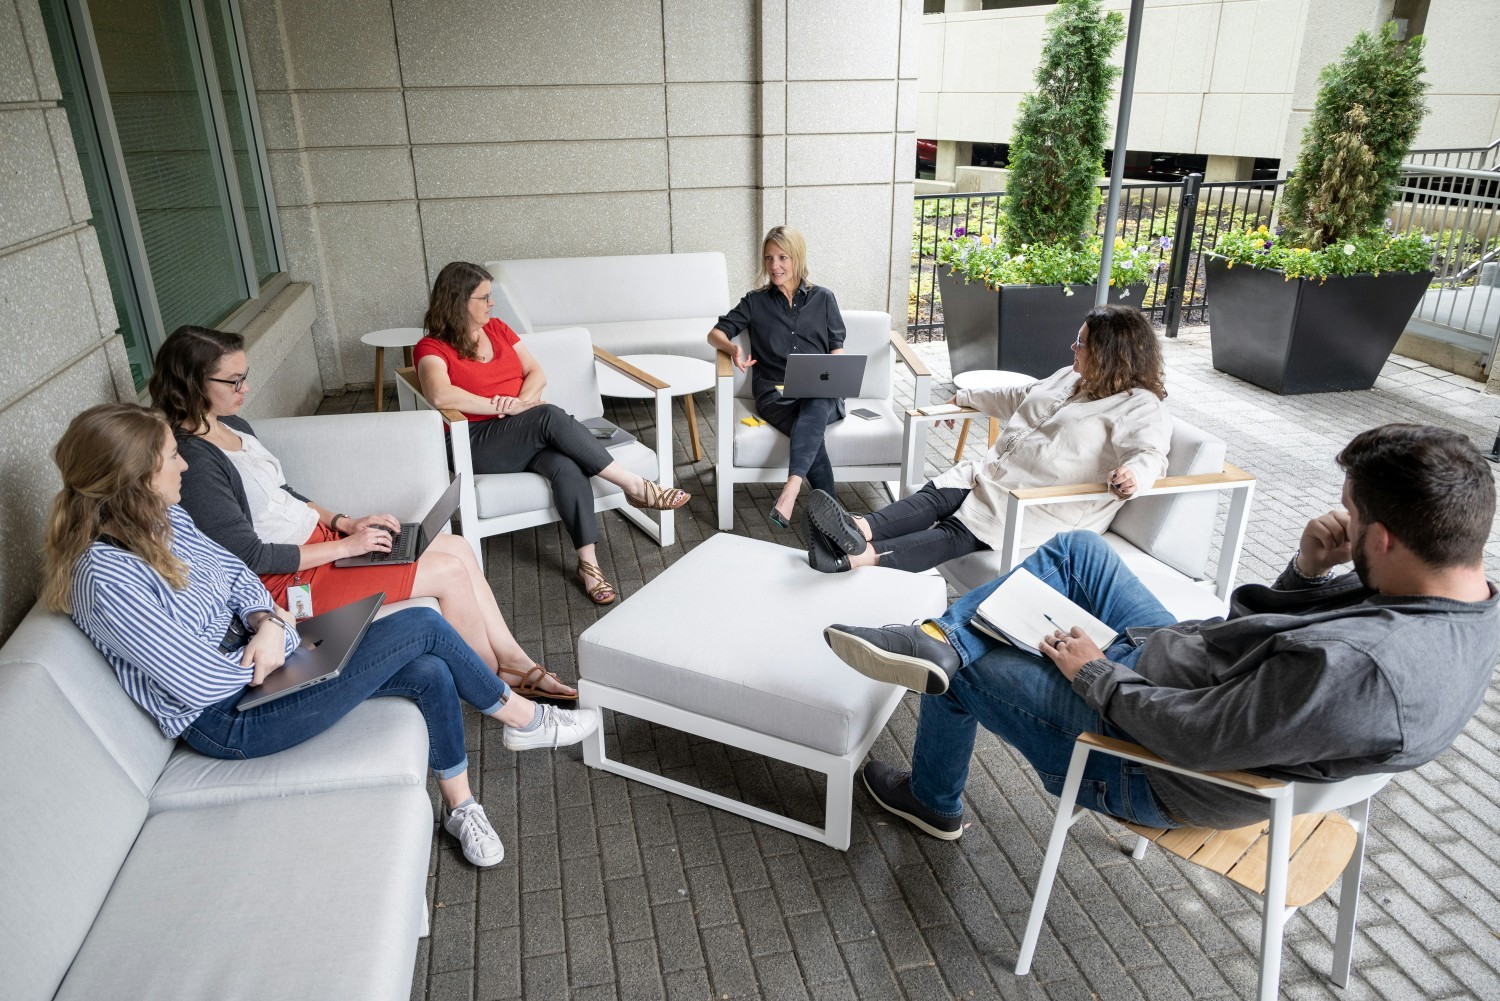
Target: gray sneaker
[900,655]
[472,828]
[559,728]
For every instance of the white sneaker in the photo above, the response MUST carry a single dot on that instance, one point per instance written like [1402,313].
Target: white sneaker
[472,829]
[559,728]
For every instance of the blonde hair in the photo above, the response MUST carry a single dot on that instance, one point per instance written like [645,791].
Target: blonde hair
[108,457]
[790,241]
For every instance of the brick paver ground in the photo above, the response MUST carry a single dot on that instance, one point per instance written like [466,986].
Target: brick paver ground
[616,890]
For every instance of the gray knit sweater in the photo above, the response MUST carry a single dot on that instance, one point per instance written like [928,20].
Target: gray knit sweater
[214,494]
[1301,682]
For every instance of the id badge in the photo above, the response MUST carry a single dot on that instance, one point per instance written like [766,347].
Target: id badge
[299,601]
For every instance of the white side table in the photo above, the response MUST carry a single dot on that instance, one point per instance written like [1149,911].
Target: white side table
[986,378]
[395,337]
[684,376]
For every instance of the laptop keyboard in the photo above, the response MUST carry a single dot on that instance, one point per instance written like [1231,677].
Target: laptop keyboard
[402,544]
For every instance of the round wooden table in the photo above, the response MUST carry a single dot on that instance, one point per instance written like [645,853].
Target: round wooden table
[684,376]
[395,337]
[986,378]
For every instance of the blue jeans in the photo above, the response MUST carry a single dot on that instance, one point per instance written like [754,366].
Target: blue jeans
[1027,702]
[413,654]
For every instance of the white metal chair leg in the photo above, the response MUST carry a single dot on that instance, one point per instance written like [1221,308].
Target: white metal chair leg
[1067,812]
[1139,851]
[1343,944]
[839,811]
[426,926]
[1275,910]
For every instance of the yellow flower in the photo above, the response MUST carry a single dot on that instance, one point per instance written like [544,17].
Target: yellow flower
[986,240]
[1230,267]
[1261,229]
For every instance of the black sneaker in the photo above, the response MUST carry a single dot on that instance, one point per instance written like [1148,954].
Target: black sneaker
[834,523]
[821,555]
[900,655]
[891,789]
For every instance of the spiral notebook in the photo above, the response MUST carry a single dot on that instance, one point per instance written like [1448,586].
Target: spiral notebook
[1022,610]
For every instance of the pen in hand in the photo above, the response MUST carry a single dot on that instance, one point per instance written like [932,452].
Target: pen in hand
[1053,621]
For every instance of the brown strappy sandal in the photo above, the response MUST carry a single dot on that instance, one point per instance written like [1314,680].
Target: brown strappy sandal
[530,684]
[660,498]
[602,593]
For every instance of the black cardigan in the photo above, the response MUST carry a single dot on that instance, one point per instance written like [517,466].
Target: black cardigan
[214,495]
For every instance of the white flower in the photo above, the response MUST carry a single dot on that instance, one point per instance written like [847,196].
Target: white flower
[1348,250]
[1020,259]
[1125,294]
[1067,290]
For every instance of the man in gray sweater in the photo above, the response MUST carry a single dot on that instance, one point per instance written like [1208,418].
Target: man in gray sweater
[1315,678]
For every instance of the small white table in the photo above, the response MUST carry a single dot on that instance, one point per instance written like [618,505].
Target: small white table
[986,378]
[395,337]
[684,376]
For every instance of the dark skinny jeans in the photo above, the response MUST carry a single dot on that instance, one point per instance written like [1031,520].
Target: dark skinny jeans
[804,422]
[547,441]
[920,532]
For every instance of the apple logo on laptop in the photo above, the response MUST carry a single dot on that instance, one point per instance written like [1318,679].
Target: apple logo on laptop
[823,377]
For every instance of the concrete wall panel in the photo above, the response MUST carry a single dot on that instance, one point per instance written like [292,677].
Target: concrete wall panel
[344,46]
[16,81]
[722,219]
[98,281]
[837,222]
[713,162]
[351,174]
[45,330]
[540,168]
[466,43]
[333,118]
[32,198]
[521,114]
[40,51]
[848,159]
[820,45]
[841,106]
[1459,120]
[711,109]
[709,40]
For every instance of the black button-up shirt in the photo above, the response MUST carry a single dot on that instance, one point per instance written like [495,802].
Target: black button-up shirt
[810,324]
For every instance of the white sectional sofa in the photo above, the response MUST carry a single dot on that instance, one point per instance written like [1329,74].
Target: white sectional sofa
[631,304]
[134,867]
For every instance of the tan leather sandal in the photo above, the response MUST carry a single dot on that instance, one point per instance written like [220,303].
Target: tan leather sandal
[530,684]
[602,593]
[660,498]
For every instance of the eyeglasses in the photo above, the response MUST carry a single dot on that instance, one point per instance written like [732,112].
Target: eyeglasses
[489,297]
[234,384]
[1078,344]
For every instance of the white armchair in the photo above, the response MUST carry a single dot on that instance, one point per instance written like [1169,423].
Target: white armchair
[1164,533]
[860,450]
[495,503]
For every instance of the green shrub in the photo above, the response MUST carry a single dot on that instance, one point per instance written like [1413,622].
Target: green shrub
[1372,253]
[983,259]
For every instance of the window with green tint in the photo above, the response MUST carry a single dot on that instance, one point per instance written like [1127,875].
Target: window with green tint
[153,72]
[240,125]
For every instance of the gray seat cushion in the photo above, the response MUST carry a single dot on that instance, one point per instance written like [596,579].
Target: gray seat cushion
[304,897]
[685,639]
[852,441]
[54,878]
[499,494]
[1178,529]
[382,742]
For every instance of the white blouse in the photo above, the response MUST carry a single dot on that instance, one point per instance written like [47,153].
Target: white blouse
[278,517]
[1053,435]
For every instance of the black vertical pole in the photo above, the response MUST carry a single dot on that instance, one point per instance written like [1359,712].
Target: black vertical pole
[1182,246]
[1494,453]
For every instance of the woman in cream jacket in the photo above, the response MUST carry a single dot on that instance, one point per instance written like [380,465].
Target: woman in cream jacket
[1101,419]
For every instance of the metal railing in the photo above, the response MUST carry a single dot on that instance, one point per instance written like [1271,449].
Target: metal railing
[1458,157]
[1189,214]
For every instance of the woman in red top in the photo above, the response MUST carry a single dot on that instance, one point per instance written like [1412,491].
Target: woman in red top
[478,366]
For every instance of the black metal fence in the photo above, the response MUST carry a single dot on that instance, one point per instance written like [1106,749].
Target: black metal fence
[1189,214]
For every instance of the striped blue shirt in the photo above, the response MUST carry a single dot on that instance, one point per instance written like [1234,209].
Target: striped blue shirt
[164,644]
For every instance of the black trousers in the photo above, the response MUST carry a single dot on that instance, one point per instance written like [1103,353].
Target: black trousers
[803,421]
[920,532]
[546,441]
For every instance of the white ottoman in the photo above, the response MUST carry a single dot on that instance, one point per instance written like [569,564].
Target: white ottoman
[727,643]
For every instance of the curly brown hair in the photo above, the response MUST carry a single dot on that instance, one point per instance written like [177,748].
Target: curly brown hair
[1122,353]
[108,456]
[447,318]
[186,359]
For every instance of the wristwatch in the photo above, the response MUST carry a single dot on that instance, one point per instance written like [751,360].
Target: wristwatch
[1304,578]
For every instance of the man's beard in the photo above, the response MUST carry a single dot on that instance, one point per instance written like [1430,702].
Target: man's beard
[1361,560]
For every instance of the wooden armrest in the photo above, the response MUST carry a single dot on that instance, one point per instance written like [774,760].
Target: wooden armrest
[968,413]
[1230,475]
[409,376]
[1124,748]
[725,368]
[907,355]
[628,370]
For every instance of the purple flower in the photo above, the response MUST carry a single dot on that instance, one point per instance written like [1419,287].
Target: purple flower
[960,231]
[1158,266]
[1165,243]
[1280,230]
[1268,244]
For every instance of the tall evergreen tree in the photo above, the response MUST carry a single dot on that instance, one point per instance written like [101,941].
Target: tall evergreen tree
[1368,112]
[1057,147]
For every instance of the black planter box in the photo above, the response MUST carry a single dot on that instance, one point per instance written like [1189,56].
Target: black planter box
[1307,335]
[1020,328]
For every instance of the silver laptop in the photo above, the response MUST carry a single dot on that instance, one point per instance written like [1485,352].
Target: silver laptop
[811,377]
[414,538]
[327,642]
